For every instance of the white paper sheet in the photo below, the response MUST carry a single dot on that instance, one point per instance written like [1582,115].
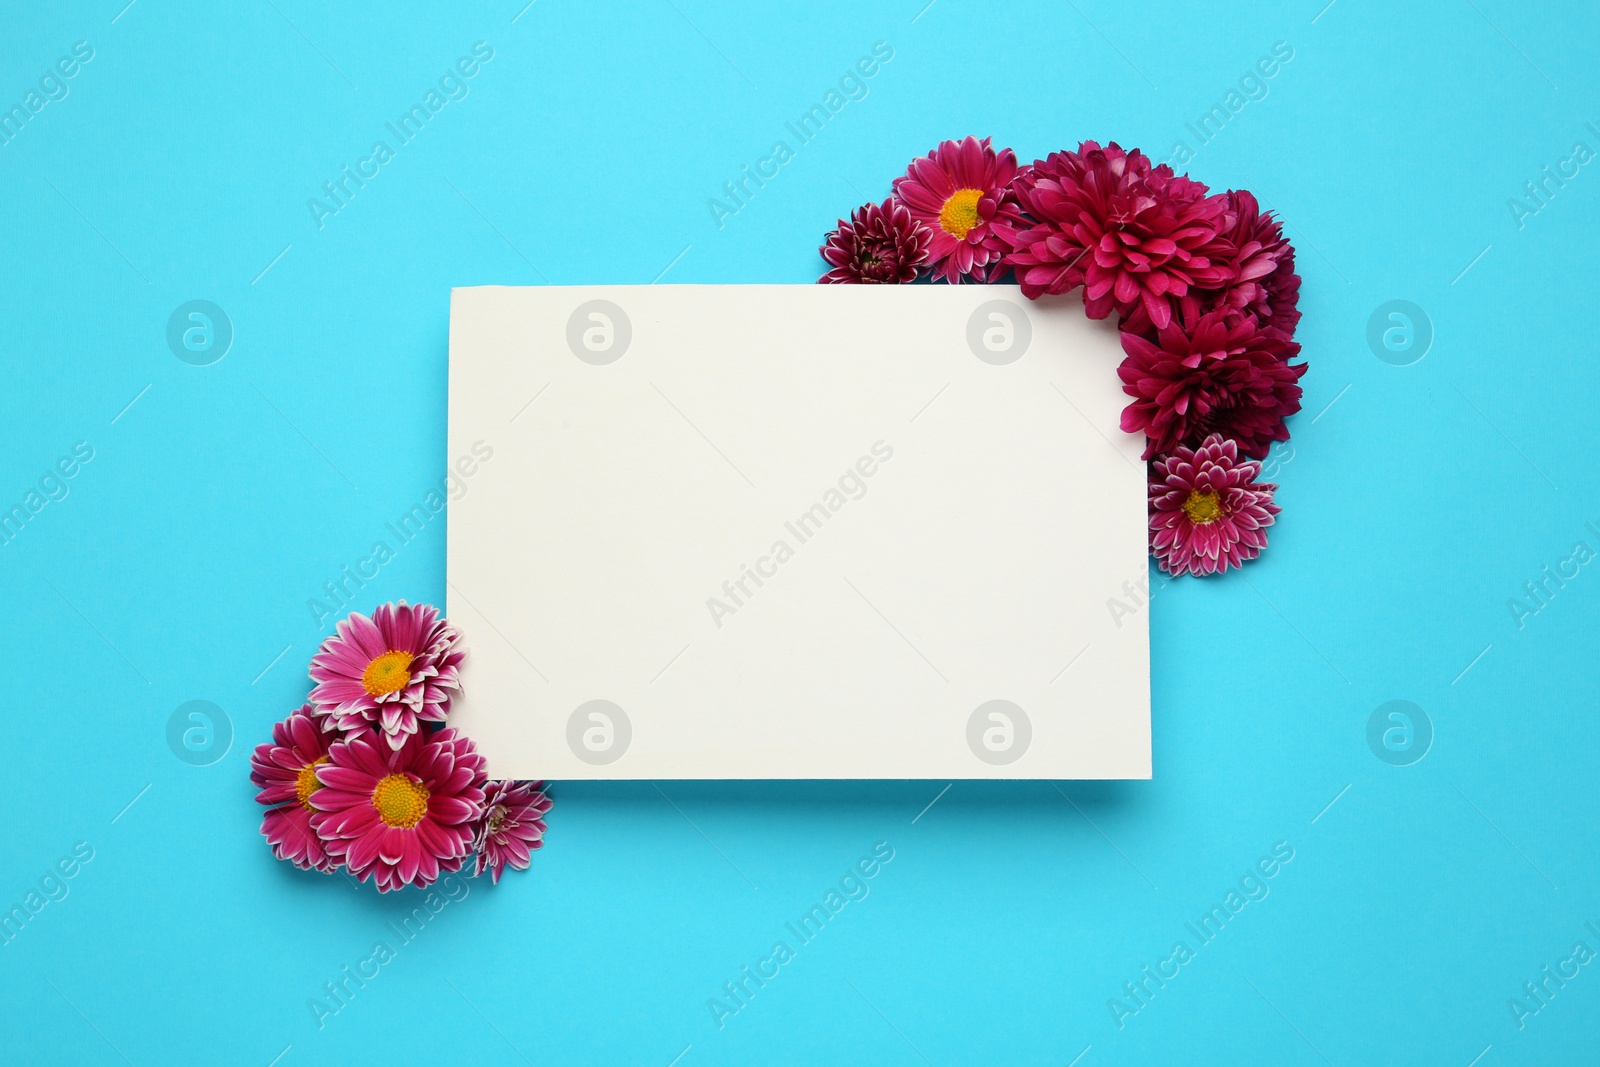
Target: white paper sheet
[767,531]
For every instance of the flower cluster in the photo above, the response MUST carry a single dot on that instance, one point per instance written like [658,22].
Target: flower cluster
[354,780]
[1202,284]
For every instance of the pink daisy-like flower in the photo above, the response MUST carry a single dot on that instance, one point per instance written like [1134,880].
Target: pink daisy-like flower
[962,192]
[1136,237]
[1264,283]
[880,245]
[1207,511]
[389,671]
[401,816]
[1226,374]
[511,828]
[286,773]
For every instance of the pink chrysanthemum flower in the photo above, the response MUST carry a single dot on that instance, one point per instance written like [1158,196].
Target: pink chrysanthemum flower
[389,671]
[1225,373]
[880,245]
[962,192]
[1207,511]
[401,816]
[1136,237]
[512,826]
[286,773]
[1264,283]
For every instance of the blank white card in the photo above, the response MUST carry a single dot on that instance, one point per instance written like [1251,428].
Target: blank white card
[771,531]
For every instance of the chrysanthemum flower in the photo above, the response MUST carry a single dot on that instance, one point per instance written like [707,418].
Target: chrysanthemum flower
[1207,511]
[511,828]
[1282,288]
[962,192]
[1264,283]
[1134,236]
[881,244]
[1223,373]
[401,816]
[389,671]
[286,773]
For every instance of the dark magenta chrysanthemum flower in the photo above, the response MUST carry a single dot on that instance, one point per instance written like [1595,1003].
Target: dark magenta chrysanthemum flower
[401,816]
[389,671]
[1207,511]
[1283,293]
[881,244]
[1263,282]
[286,773]
[962,192]
[512,826]
[1224,373]
[1134,236]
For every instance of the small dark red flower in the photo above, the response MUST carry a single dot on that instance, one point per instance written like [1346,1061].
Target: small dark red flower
[1222,372]
[881,244]
[1264,283]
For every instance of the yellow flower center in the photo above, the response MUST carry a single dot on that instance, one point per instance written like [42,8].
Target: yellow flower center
[401,801]
[1203,507]
[306,782]
[960,212]
[389,673]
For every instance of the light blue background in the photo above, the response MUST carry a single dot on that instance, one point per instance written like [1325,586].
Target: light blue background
[1416,905]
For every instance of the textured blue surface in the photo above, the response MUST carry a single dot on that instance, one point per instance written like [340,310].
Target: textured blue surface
[1417,501]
